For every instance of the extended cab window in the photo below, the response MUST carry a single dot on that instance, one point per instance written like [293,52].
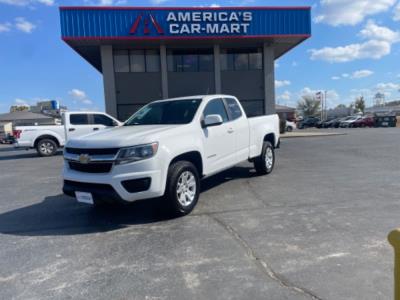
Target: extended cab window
[165,112]
[79,119]
[102,120]
[216,107]
[234,108]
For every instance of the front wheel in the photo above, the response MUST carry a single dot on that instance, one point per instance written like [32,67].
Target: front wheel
[183,187]
[264,164]
[46,147]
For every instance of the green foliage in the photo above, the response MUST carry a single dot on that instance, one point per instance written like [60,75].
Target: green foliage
[359,104]
[308,106]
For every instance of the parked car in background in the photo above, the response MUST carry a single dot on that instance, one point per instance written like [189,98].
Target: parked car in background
[7,139]
[308,122]
[349,122]
[386,121]
[366,121]
[47,139]
[323,124]
[290,126]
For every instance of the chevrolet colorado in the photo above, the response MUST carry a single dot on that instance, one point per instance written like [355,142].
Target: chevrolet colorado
[165,148]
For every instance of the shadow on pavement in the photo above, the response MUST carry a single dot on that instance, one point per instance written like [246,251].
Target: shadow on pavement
[62,215]
[24,155]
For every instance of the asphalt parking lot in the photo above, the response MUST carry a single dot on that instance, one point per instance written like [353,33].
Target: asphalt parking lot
[314,229]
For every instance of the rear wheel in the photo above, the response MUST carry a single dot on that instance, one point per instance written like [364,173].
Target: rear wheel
[289,128]
[264,164]
[183,187]
[46,147]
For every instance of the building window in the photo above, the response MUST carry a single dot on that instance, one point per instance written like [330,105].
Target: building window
[121,61]
[136,61]
[253,108]
[190,60]
[152,61]
[241,59]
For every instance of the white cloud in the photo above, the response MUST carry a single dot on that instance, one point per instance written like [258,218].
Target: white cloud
[374,49]
[27,2]
[276,64]
[361,74]
[20,101]
[345,12]
[157,2]
[345,75]
[105,2]
[388,86]
[24,25]
[396,15]
[335,77]
[281,83]
[215,5]
[286,95]
[5,27]
[80,96]
[373,31]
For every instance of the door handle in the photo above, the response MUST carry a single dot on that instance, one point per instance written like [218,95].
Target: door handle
[71,129]
[96,128]
[230,130]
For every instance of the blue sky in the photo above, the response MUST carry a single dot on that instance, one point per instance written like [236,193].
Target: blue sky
[354,50]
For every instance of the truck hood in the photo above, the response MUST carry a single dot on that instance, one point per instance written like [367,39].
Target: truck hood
[123,136]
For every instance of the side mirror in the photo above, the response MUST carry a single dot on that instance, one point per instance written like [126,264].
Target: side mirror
[212,120]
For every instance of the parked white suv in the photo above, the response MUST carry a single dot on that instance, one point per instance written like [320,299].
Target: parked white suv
[166,148]
[46,139]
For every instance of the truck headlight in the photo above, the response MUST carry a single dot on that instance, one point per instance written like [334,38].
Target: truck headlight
[136,153]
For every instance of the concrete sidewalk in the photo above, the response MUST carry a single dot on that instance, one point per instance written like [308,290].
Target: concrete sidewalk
[307,133]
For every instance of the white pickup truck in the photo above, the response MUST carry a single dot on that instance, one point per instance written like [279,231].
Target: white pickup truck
[165,148]
[46,139]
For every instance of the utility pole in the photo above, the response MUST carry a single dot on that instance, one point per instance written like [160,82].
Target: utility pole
[325,105]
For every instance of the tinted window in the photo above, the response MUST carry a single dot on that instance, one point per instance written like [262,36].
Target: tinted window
[216,107]
[121,61]
[152,61]
[102,120]
[165,112]
[192,60]
[241,59]
[233,108]
[137,61]
[79,119]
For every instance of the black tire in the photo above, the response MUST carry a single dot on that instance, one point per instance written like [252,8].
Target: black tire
[289,129]
[260,163]
[175,171]
[46,147]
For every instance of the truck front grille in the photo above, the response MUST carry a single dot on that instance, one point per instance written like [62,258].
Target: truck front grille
[99,151]
[91,167]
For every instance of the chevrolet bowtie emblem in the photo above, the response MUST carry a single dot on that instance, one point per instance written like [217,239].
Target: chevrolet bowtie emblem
[84,158]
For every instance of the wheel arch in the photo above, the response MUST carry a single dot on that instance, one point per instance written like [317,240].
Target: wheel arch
[270,137]
[46,136]
[192,156]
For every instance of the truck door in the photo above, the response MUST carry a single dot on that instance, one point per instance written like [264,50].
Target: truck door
[100,121]
[240,125]
[219,141]
[78,125]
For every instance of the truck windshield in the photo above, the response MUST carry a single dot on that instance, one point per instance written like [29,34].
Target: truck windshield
[165,112]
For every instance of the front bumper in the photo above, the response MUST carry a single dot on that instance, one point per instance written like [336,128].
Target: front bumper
[110,187]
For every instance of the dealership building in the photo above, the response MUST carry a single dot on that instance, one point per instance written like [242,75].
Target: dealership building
[149,53]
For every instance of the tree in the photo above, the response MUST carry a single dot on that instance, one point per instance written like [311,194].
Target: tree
[308,106]
[359,104]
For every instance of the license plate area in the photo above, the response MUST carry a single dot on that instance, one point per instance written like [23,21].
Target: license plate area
[84,197]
